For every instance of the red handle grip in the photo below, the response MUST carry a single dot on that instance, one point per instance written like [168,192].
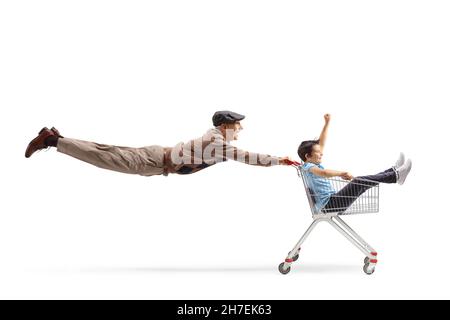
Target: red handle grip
[293,163]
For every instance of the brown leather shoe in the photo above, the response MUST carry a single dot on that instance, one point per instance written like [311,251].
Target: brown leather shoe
[38,143]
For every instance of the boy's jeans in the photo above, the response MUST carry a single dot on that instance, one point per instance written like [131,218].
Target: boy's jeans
[344,198]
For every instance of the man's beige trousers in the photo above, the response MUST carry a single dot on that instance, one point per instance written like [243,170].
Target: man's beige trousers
[145,161]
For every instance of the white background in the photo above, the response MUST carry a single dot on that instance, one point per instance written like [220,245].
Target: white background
[139,73]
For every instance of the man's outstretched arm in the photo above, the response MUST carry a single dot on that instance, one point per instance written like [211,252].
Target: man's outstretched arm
[231,152]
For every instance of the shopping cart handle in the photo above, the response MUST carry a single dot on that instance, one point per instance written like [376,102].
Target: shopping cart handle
[293,163]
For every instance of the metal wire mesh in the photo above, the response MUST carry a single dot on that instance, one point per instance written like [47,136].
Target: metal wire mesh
[350,197]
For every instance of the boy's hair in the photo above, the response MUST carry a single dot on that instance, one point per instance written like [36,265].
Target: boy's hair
[306,148]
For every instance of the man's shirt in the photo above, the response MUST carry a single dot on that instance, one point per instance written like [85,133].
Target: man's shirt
[208,150]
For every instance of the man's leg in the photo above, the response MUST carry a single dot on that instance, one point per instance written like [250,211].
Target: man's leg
[146,161]
[355,188]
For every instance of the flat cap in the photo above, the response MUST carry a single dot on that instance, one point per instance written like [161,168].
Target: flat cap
[221,117]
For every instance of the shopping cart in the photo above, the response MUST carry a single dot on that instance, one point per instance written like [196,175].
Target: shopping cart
[364,203]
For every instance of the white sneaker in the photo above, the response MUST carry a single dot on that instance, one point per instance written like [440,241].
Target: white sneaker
[400,161]
[403,171]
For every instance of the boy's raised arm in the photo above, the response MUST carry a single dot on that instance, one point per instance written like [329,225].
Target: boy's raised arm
[323,134]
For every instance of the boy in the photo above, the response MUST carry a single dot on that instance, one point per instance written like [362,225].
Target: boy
[325,197]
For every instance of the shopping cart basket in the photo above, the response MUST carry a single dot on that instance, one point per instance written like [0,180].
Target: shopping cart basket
[367,202]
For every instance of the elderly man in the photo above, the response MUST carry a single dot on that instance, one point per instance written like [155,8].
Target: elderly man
[185,158]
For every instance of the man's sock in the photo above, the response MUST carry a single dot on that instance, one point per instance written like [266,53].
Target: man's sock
[51,141]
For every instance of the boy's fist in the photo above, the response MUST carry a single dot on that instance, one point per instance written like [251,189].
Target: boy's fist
[327,117]
[346,176]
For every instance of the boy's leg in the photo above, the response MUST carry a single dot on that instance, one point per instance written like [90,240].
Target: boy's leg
[344,198]
[388,176]
[145,161]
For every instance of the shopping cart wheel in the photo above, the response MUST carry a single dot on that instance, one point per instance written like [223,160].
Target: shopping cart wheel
[282,270]
[368,270]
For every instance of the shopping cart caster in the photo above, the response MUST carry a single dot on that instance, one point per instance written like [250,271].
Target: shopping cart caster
[295,258]
[367,259]
[369,269]
[282,270]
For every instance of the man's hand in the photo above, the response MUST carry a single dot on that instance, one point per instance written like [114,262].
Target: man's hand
[285,161]
[327,118]
[346,176]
